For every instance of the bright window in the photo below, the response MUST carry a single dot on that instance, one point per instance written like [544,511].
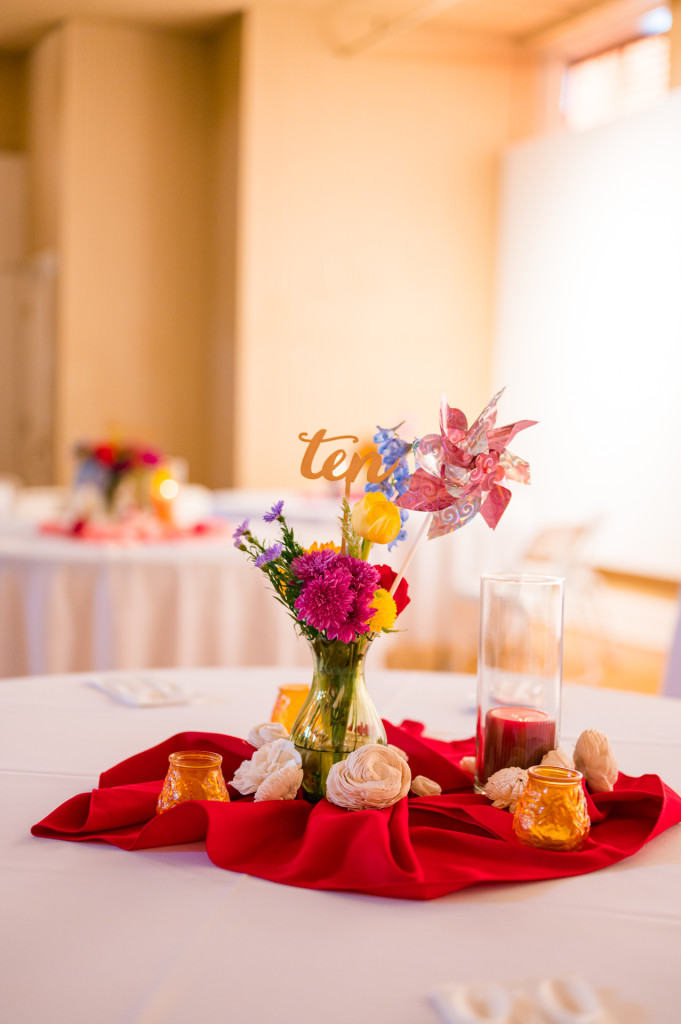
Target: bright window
[619,81]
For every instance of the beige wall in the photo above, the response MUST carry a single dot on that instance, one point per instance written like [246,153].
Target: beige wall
[226,119]
[130,224]
[257,236]
[367,230]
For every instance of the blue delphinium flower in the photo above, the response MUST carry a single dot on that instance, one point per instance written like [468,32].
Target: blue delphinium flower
[393,449]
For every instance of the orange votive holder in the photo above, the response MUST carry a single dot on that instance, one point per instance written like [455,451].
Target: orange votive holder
[552,811]
[192,775]
[290,700]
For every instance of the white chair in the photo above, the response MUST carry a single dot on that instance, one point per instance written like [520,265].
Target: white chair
[558,550]
[671,683]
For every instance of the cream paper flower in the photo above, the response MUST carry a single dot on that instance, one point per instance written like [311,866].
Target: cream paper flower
[421,786]
[265,733]
[371,776]
[398,750]
[269,759]
[558,758]
[282,784]
[467,764]
[505,787]
[596,761]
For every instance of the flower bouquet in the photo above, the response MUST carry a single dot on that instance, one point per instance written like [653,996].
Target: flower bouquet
[340,601]
[113,479]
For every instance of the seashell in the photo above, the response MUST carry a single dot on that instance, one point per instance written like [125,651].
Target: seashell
[467,764]
[558,758]
[271,756]
[371,776]
[282,784]
[398,750]
[595,759]
[265,733]
[505,787]
[421,786]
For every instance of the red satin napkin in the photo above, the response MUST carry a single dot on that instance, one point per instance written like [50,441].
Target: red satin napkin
[421,848]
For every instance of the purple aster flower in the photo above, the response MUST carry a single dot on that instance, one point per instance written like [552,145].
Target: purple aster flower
[314,563]
[325,601]
[274,512]
[240,532]
[269,555]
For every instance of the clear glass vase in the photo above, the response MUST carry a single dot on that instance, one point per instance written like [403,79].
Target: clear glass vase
[338,715]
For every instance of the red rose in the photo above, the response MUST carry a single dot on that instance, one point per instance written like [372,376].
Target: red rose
[387,578]
[104,454]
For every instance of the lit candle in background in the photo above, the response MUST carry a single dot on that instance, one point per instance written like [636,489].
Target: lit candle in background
[514,737]
[164,490]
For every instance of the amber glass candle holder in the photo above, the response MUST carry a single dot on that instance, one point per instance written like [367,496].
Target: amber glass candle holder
[192,775]
[552,811]
[290,700]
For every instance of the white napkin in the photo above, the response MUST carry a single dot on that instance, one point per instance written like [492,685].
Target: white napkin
[570,1000]
[143,691]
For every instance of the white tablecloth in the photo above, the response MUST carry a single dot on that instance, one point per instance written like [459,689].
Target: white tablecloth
[92,933]
[68,605]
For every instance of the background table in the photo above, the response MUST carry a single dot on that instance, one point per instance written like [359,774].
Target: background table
[92,933]
[69,605]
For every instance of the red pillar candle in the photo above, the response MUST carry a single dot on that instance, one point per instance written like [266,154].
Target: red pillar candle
[515,738]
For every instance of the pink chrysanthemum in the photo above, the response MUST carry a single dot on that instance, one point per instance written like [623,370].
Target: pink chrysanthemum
[325,601]
[314,563]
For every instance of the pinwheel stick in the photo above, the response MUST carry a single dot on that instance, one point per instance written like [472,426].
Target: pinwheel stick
[410,554]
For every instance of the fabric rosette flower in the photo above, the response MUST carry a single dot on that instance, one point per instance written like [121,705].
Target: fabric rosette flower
[372,776]
[266,732]
[595,759]
[273,773]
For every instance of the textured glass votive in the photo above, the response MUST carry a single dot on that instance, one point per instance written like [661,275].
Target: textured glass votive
[290,700]
[552,811]
[192,775]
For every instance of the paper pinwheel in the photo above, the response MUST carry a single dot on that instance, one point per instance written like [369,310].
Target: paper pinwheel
[460,470]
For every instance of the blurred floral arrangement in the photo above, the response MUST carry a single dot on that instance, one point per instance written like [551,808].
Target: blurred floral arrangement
[105,465]
[120,485]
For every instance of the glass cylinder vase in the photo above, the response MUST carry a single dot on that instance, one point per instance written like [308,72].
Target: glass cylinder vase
[338,715]
[519,672]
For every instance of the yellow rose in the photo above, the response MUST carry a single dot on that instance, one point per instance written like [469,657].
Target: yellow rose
[376,519]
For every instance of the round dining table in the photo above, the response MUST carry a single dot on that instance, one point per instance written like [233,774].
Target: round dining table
[91,933]
[69,604]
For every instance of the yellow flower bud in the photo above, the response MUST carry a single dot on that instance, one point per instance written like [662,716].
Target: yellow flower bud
[376,519]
